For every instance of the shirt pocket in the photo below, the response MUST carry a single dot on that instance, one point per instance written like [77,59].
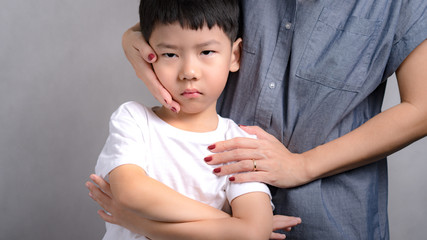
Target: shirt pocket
[339,51]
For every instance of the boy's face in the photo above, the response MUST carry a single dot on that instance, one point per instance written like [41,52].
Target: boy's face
[193,65]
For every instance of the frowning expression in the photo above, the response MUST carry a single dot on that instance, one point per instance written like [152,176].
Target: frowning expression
[193,65]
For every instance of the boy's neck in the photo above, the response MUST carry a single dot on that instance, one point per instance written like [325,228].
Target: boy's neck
[206,121]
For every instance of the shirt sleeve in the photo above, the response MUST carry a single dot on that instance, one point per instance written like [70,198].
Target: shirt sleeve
[125,143]
[234,190]
[411,31]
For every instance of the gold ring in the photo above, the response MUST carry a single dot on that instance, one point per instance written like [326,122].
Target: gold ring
[254,169]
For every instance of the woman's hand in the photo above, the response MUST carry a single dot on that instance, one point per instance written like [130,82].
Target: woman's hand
[264,159]
[141,55]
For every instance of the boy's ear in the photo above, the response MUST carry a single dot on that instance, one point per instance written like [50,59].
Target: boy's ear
[235,55]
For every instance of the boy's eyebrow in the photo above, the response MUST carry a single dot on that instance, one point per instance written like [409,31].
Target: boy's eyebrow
[210,42]
[204,44]
[165,45]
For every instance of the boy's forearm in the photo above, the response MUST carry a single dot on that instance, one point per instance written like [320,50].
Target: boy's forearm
[224,229]
[134,190]
[248,222]
[158,213]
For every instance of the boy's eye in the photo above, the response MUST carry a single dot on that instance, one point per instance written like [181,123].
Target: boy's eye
[207,52]
[169,55]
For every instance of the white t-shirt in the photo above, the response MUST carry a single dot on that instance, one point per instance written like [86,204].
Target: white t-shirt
[171,156]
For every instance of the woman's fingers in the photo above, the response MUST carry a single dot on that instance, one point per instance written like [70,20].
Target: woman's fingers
[234,143]
[259,132]
[251,177]
[141,55]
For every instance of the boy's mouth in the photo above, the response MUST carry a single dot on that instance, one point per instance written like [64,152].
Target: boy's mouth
[191,93]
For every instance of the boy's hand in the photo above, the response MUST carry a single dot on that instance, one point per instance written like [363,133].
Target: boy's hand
[112,212]
[101,193]
[141,55]
[285,223]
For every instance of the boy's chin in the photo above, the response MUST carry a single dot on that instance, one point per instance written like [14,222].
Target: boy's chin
[194,109]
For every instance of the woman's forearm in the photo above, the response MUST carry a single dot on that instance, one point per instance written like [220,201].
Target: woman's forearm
[384,134]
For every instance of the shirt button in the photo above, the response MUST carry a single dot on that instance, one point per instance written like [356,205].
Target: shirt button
[272,85]
[288,26]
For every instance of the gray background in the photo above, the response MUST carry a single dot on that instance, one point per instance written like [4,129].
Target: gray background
[62,73]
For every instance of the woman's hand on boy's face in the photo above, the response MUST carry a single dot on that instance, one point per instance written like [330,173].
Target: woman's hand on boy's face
[264,159]
[141,55]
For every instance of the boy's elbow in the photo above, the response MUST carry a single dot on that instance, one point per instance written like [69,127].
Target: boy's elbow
[130,199]
[128,186]
[124,198]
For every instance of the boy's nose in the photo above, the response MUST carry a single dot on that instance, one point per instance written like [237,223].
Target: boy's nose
[188,75]
[189,71]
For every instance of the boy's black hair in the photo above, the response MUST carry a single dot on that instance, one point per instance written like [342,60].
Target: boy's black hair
[192,14]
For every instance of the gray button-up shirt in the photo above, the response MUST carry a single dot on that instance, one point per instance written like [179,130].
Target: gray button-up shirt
[311,72]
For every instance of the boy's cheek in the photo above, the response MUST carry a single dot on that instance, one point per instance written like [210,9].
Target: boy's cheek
[165,72]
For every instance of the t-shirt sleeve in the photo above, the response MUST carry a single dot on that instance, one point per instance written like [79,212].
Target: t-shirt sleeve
[234,190]
[125,142]
[411,31]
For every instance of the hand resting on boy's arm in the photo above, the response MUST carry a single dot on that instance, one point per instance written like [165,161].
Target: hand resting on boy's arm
[241,224]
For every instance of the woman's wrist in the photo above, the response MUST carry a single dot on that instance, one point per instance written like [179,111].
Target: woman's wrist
[310,171]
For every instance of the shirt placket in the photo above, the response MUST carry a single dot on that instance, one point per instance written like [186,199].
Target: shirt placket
[275,77]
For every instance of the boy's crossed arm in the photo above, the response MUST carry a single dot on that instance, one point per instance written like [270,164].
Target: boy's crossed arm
[166,214]
[133,189]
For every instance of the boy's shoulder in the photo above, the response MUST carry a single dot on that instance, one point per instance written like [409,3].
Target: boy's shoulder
[132,113]
[233,130]
[133,109]
[132,106]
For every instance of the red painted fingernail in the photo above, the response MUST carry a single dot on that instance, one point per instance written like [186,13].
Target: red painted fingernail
[208,159]
[217,170]
[211,147]
[151,56]
[173,109]
[232,179]
[165,101]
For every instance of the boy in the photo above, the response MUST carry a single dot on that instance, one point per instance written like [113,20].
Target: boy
[149,152]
